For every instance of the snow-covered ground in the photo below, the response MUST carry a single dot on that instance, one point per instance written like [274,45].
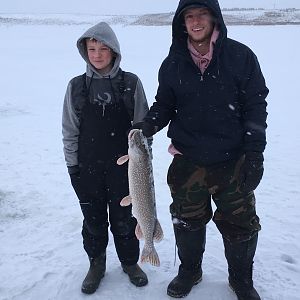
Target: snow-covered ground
[41,254]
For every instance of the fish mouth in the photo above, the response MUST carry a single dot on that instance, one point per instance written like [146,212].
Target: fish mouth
[132,133]
[137,140]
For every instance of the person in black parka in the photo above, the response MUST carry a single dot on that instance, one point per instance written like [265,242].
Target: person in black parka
[212,94]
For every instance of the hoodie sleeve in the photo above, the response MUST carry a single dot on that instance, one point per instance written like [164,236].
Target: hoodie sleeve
[141,107]
[70,129]
[140,103]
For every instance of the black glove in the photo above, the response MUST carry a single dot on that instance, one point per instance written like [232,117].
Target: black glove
[251,172]
[74,170]
[147,129]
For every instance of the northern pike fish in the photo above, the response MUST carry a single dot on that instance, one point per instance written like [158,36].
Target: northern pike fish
[142,194]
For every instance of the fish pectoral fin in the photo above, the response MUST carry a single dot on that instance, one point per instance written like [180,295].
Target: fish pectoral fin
[138,232]
[126,201]
[158,234]
[122,159]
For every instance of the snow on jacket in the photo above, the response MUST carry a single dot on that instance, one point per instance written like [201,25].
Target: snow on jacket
[134,95]
[214,116]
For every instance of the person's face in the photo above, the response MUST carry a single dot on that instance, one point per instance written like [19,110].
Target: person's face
[199,24]
[100,56]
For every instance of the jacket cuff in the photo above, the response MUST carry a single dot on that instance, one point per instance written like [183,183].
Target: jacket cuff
[73,170]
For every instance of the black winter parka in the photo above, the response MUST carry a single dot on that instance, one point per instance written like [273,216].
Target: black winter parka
[218,115]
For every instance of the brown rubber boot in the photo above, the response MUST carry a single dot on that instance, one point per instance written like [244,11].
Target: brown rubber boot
[136,275]
[95,274]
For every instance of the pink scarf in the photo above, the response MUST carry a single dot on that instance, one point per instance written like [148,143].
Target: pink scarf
[202,61]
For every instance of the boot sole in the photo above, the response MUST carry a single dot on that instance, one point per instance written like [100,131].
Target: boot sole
[183,295]
[89,292]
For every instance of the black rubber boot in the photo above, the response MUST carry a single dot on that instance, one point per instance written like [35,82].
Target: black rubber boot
[191,245]
[240,265]
[183,283]
[136,275]
[95,274]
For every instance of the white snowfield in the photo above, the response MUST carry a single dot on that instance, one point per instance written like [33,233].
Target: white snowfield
[41,253]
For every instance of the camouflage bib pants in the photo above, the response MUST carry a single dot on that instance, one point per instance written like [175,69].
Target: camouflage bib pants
[192,189]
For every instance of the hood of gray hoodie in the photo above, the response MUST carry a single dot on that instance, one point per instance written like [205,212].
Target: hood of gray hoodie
[103,33]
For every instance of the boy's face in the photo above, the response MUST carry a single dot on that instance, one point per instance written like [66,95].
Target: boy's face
[199,23]
[100,56]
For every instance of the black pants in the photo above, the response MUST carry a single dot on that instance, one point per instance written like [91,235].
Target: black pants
[100,188]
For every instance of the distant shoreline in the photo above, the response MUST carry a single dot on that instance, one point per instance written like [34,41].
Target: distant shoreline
[232,17]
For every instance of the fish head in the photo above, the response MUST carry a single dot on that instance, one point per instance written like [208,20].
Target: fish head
[137,143]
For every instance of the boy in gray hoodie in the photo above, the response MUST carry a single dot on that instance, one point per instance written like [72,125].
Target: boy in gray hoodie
[100,107]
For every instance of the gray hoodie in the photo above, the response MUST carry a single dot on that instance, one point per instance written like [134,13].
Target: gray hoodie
[134,96]
[101,32]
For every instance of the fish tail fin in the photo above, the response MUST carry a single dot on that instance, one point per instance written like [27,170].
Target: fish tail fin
[150,255]
[158,234]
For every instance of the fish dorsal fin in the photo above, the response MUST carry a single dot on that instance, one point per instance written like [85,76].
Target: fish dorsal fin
[158,234]
[126,201]
[138,232]
[122,159]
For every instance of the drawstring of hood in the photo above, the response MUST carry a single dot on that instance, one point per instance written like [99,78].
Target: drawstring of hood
[217,53]
[218,65]
[90,83]
[112,89]
[178,70]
